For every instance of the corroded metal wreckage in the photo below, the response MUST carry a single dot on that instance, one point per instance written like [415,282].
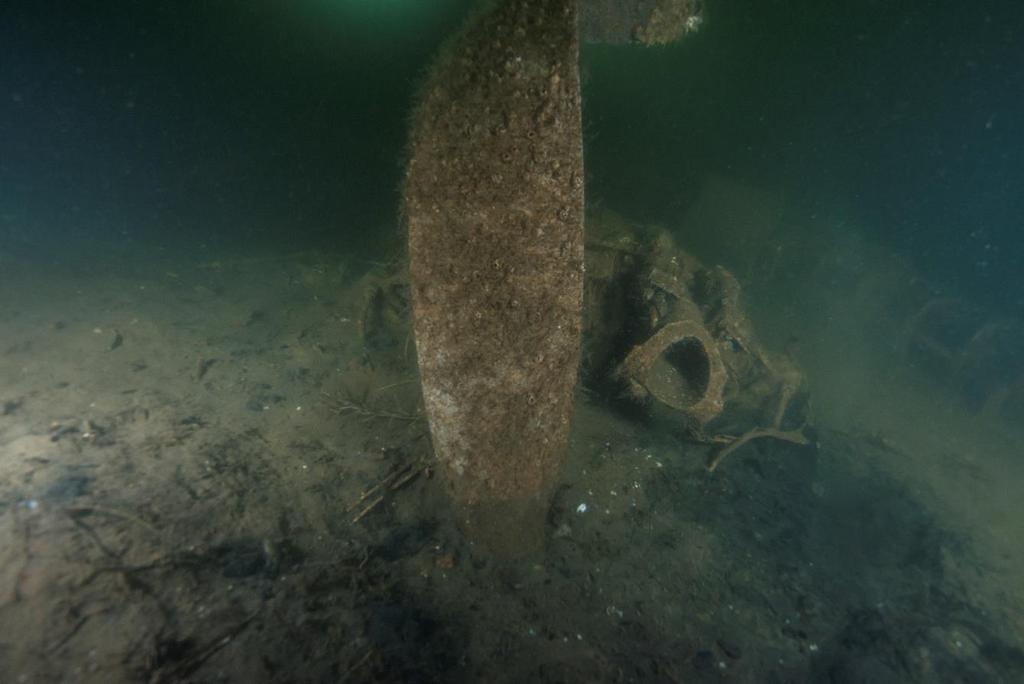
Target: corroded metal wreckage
[646,22]
[674,334]
[493,201]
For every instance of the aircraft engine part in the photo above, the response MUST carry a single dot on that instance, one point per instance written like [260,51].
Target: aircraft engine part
[694,357]
[680,367]
[649,22]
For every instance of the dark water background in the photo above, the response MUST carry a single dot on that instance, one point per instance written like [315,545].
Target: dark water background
[229,121]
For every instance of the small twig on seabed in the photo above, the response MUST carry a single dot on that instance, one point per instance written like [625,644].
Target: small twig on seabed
[77,511]
[373,504]
[794,436]
[395,384]
[343,407]
[408,477]
[388,479]
[393,481]
[359,664]
[201,655]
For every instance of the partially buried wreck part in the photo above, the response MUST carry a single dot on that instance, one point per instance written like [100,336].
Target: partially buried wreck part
[705,342]
[675,336]
[493,201]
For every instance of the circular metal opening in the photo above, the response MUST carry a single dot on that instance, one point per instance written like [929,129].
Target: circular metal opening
[680,375]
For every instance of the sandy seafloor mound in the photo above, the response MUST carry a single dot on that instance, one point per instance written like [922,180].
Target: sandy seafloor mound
[208,473]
